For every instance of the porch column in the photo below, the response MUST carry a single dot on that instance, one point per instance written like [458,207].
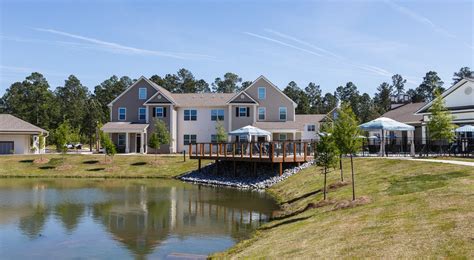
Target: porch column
[142,144]
[145,142]
[127,143]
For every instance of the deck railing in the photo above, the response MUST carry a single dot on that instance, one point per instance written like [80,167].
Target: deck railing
[283,150]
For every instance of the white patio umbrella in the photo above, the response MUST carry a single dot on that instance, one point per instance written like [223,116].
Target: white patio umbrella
[250,131]
[464,129]
[387,124]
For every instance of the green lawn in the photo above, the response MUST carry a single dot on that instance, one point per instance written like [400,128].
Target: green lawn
[130,166]
[417,210]
[452,158]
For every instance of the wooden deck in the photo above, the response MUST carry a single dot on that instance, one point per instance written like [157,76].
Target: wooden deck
[254,152]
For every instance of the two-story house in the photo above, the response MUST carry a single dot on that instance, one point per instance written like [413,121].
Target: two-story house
[192,117]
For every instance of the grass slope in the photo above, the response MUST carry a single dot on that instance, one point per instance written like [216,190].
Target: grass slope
[130,166]
[418,210]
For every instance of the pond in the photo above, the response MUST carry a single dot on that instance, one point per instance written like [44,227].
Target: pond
[122,219]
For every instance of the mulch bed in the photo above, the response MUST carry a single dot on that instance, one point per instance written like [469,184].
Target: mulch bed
[41,161]
[345,204]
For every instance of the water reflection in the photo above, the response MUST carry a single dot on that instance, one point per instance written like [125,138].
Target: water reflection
[148,218]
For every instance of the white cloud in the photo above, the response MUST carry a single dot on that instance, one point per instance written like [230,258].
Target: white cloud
[283,43]
[119,48]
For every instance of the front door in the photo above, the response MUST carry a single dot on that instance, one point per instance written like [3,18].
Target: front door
[139,143]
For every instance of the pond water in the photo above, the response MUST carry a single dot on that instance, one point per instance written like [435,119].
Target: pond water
[123,219]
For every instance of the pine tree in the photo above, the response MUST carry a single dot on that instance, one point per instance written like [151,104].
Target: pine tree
[440,125]
[326,155]
[346,133]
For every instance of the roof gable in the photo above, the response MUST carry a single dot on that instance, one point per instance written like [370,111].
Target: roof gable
[158,98]
[151,83]
[242,98]
[460,96]
[9,123]
[254,83]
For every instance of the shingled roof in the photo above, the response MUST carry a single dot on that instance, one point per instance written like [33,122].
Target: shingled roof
[406,113]
[11,124]
[202,99]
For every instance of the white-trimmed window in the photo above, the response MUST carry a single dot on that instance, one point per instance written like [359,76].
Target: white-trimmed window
[122,113]
[311,128]
[142,93]
[262,92]
[159,112]
[190,115]
[141,113]
[189,139]
[217,115]
[242,111]
[282,137]
[261,113]
[121,139]
[283,112]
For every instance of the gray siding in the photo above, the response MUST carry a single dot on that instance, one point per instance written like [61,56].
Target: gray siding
[130,101]
[273,101]
[238,122]
[151,127]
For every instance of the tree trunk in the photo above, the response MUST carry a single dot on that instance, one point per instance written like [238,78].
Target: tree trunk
[325,174]
[340,166]
[353,181]
[156,152]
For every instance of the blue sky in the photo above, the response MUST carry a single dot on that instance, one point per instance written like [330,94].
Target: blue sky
[326,42]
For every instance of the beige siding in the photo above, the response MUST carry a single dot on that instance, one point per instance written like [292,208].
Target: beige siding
[130,101]
[273,101]
[238,122]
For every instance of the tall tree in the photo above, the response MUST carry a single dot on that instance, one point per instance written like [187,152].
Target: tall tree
[464,72]
[382,97]
[229,84]
[202,86]
[415,96]
[186,82]
[72,100]
[220,132]
[313,92]
[349,94]
[398,84]
[346,136]
[157,80]
[32,100]
[367,110]
[329,102]
[431,83]
[245,84]
[440,125]
[299,96]
[107,91]
[92,119]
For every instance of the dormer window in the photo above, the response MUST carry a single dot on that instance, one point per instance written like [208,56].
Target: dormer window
[262,93]
[142,93]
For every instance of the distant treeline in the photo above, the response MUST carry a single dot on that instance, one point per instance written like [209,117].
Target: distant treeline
[33,99]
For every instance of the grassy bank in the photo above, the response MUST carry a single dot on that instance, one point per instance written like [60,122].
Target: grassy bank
[417,210]
[87,166]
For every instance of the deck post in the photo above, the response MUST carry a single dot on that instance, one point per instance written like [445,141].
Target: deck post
[199,165]
[281,169]
[272,151]
[250,150]
[294,151]
[235,169]
[202,149]
[210,149]
[305,150]
[260,152]
[233,150]
[190,149]
[284,151]
[242,150]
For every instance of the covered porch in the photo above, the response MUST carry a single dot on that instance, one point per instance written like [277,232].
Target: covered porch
[128,137]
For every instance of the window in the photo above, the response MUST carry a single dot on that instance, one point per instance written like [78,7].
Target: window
[159,112]
[121,139]
[261,113]
[190,115]
[282,137]
[311,128]
[122,113]
[242,111]
[141,113]
[189,139]
[142,93]
[217,114]
[282,113]
[213,138]
[262,92]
